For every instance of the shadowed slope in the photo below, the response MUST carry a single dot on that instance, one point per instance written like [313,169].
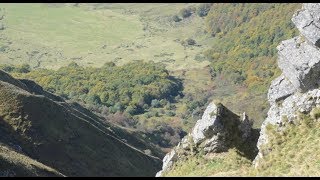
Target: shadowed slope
[74,142]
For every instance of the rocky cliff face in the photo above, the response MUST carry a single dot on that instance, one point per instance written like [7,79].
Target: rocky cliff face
[218,130]
[296,90]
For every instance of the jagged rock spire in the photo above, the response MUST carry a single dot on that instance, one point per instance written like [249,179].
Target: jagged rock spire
[218,130]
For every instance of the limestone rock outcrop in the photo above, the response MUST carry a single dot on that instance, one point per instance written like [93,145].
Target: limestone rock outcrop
[168,161]
[307,20]
[280,89]
[285,113]
[218,130]
[297,89]
[300,63]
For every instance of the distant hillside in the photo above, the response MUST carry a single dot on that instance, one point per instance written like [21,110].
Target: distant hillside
[186,37]
[243,54]
[139,95]
[48,132]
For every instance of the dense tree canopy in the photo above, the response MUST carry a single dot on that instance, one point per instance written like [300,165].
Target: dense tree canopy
[131,88]
[246,39]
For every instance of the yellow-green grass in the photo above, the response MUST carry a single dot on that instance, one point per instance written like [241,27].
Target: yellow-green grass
[292,152]
[53,36]
[74,32]
[223,164]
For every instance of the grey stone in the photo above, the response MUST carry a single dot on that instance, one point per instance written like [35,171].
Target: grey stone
[280,89]
[280,115]
[168,161]
[215,144]
[205,127]
[185,144]
[299,60]
[159,174]
[307,20]
[300,63]
[213,133]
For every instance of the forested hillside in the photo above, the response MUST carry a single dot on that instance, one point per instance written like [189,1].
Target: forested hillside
[248,35]
[243,55]
[122,94]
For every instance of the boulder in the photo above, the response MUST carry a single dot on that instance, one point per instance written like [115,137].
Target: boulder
[168,161]
[280,89]
[300,63]
[185,143]
[218,130]
[297,87]
[307,20]
[207,125]
[215,144]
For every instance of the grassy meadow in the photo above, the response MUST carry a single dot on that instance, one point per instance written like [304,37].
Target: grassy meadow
[51,36]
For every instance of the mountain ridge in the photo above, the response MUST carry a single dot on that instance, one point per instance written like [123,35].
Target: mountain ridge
[59,135]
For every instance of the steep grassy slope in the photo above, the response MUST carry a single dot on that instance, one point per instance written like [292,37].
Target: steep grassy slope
[68,137]
[13,163]
[293,152]
[223,164]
